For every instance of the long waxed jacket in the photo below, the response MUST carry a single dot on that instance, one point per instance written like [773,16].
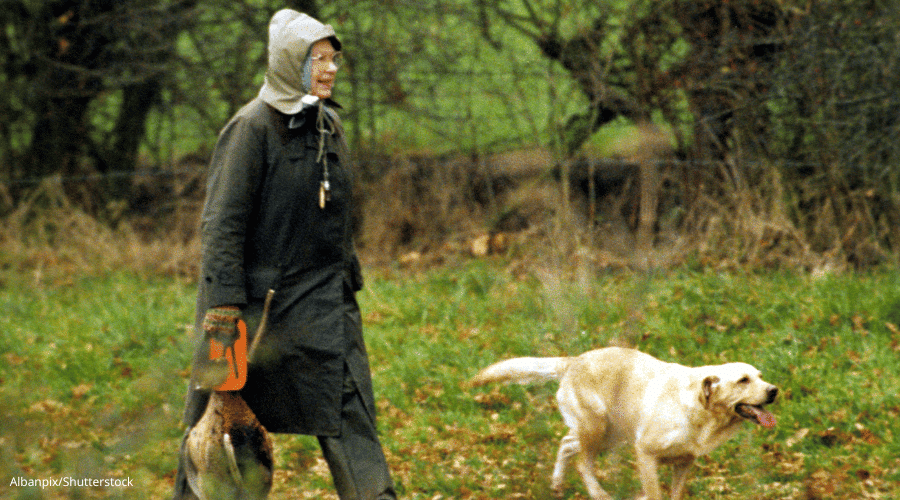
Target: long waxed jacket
[263,228]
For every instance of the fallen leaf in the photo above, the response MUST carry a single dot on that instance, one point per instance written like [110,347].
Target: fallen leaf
[796,438]
[80,390]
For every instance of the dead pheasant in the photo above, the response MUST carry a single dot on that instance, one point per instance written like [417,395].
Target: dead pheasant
[228,453]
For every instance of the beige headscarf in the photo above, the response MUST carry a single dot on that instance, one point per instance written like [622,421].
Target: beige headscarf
[291,36]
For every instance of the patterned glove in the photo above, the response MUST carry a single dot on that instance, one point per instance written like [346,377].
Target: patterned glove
[220,323]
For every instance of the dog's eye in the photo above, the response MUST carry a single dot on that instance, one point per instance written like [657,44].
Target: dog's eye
[744,380]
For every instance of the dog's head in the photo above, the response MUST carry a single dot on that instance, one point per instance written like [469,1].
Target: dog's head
[739,389]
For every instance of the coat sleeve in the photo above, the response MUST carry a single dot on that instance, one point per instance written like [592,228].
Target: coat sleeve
[235,166]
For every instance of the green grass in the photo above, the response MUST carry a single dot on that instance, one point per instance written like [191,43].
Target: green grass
[93,374]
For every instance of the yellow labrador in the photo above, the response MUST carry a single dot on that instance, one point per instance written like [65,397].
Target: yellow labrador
[671,413]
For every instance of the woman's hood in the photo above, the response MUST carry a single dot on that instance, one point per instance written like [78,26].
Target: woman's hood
[291,35]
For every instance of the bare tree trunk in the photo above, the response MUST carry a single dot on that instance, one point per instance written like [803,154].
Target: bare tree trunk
[58,138]
[137,101]
[649,203]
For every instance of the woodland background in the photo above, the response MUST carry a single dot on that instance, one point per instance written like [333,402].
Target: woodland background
[758,132]
[705,181]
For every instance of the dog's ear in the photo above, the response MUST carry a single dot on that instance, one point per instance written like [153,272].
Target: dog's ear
[708,388]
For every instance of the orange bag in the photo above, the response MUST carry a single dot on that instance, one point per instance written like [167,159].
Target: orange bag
[235,357]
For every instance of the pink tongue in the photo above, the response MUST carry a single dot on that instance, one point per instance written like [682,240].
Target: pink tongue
[764,418]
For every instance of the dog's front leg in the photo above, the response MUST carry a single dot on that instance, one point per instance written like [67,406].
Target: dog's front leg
[589,476]
[648,469]
[680,471]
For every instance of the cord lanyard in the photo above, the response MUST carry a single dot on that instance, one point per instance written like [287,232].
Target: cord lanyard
[324,127]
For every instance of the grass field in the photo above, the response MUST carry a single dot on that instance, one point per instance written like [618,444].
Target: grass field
[93,374]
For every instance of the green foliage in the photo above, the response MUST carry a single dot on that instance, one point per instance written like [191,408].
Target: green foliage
[832,96]
[84,76]
[447,75]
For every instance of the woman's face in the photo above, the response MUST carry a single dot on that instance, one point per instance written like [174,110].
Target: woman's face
[325,61]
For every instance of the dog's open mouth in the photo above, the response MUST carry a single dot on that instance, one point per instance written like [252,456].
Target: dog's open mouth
[756,414]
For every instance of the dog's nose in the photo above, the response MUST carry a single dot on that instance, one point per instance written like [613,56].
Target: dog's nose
[773,393]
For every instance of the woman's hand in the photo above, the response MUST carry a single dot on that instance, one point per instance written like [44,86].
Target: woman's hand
[220,323]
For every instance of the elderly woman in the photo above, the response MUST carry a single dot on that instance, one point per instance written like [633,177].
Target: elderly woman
[277,216]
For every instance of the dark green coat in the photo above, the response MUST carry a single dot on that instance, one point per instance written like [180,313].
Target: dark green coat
[263,228]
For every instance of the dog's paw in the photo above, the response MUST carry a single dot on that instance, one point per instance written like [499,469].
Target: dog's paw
[557,487]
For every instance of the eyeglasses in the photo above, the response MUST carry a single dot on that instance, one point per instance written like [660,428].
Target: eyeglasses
[337,59]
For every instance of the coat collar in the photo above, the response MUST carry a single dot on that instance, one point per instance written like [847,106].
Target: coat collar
[308,112]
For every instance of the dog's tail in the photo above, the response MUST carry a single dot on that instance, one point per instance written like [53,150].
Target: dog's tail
[522,371]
